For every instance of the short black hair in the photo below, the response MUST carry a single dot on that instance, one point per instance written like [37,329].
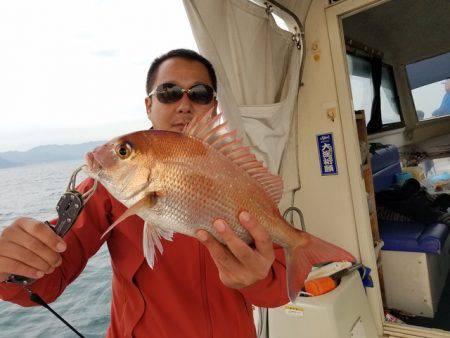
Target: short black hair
[179,53]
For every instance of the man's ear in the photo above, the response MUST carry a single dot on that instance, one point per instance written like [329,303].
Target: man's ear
[148,106]
[216,104]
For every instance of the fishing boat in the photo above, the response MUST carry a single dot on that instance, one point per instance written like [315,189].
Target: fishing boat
[349,102]
[346,99]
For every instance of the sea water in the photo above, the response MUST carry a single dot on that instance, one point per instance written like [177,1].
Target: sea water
[33,191]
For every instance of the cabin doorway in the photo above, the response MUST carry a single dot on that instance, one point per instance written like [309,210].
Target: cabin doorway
[396,56]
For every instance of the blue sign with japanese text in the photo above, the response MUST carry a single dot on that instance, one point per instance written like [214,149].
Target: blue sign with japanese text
[328,165]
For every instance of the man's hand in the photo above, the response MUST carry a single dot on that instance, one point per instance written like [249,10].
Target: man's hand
[240,265]
[29,248]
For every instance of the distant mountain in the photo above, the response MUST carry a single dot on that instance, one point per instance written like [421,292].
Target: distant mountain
[45,154]
[7,164]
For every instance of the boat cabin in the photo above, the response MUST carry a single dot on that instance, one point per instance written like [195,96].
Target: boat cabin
[362,143]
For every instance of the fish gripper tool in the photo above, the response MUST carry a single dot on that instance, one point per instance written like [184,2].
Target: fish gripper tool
[68,208]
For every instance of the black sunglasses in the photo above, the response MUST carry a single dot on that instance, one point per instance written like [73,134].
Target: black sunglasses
[168,93]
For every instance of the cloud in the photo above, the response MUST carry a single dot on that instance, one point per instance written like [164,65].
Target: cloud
[80,63]
[105,53]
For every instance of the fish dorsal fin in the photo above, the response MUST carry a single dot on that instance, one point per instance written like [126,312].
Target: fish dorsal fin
[210,129]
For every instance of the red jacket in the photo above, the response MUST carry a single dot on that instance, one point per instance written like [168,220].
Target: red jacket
[181,297]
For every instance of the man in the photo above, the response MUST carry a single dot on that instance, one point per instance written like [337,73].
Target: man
[197,288]
[444,108]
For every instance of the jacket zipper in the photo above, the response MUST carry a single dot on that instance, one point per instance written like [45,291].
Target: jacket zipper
[204,293]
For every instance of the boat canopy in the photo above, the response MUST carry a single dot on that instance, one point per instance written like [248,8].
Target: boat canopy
[258,65]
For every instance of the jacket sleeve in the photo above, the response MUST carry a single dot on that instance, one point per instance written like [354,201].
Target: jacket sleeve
[270,291]
[83,241]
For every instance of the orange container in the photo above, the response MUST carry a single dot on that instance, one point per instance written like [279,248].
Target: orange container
[320,286]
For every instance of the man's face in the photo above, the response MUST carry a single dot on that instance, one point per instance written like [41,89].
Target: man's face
[174,116]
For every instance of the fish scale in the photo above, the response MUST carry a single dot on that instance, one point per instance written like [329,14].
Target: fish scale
[185,200]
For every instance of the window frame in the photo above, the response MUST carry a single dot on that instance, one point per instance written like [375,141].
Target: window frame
[433,119]
[390,69]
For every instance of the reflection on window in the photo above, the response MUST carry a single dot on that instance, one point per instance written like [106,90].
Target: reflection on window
[432,100]
[362,90]
[390,111]
[361,83]
[429,81]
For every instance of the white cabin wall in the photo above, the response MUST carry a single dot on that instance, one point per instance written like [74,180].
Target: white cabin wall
[324,200]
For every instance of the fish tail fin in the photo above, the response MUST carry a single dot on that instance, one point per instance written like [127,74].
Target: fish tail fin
[301,258]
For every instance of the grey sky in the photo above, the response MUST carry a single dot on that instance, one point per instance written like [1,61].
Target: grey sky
[74,71]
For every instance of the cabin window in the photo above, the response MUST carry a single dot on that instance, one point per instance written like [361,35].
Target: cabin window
[279,16]
[429,81]
[360,69]
[280,22]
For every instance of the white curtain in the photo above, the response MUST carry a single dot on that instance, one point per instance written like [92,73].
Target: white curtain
[258,68]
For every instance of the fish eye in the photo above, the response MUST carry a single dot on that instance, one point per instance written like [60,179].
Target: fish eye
[123,150]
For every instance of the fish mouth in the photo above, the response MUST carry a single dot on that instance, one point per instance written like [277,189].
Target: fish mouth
[93,165]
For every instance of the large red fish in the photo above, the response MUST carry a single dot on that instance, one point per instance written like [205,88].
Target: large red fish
[182,182]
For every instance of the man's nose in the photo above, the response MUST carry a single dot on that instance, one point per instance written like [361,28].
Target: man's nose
[185,105]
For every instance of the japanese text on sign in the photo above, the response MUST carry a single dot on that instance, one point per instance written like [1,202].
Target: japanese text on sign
[327,156]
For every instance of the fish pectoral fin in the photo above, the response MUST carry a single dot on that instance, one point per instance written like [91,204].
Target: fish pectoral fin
[166,234]
[151,239]
[147,202]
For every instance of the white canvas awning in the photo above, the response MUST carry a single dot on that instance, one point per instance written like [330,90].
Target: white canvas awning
[258,67]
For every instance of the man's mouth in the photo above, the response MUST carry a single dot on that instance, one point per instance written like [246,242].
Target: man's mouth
[179,126]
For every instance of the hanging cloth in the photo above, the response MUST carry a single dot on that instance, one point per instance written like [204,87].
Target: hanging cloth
[258,69]
[376,123]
